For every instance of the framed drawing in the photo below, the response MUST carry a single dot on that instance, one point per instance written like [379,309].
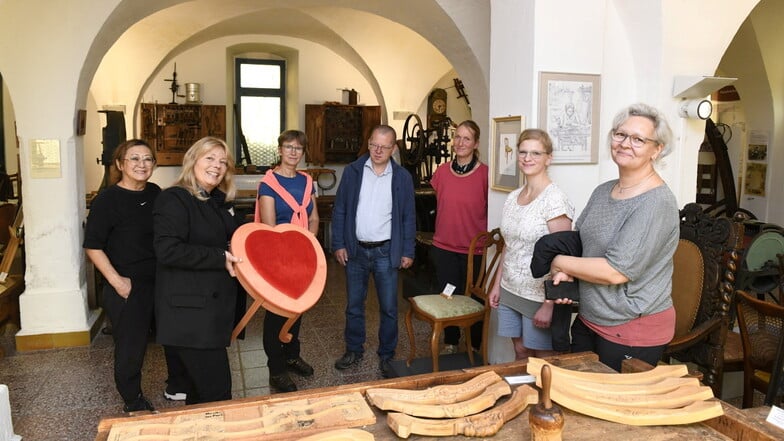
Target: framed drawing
[504,174]
[569,111]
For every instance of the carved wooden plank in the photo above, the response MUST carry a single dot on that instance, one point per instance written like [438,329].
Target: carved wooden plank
[671,400]
[656,374]
[251,421]
[444,394]
[469,407]
[484,424]
[638,416]
[660,387]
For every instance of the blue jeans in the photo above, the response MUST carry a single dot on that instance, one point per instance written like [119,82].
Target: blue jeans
[358,270]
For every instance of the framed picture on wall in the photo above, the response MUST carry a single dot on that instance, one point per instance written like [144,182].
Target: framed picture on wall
[503,153]
[569,111]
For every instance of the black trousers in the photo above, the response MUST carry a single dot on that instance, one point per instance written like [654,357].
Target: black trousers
[131,319]
[277,351]
[611,354]
[452,268]
[208,373]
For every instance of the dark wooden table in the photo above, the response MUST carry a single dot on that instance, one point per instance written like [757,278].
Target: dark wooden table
[747,425]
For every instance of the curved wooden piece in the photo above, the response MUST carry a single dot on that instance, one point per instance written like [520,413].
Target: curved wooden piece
[483,424]
[658,373]
[638,416]
[660,387]
[289,280]
[284,335]
[671,400]
[444,394]
[464,408]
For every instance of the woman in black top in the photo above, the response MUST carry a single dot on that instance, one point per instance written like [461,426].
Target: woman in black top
[197,294]
[118,240]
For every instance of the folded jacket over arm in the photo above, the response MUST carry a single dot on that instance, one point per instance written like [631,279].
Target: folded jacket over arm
[550,245]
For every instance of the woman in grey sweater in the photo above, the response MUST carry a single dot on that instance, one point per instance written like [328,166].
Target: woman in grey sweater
[629,231]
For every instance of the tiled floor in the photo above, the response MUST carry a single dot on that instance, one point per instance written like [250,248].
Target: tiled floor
[63,394]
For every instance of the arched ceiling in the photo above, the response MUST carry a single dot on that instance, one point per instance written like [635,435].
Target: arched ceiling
[372,35]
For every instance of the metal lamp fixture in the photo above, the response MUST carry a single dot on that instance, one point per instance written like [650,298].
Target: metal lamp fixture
[699,108]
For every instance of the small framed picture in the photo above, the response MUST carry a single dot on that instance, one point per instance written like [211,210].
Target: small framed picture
[569,111]
[505,175]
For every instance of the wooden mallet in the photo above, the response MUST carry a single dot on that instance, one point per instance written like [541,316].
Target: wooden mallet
[546,418]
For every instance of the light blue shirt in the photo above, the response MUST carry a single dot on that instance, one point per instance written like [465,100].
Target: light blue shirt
[374,208]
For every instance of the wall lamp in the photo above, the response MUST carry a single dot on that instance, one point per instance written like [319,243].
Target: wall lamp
[697,108]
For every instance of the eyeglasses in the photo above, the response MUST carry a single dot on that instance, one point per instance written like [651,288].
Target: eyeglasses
[534,154]
[136,160]
[293,148]
[634,140]
[379,147]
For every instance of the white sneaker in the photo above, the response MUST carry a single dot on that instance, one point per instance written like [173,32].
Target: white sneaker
[449,349]
[177,396]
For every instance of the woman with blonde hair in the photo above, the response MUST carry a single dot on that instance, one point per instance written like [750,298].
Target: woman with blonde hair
[537,208]
[197,294]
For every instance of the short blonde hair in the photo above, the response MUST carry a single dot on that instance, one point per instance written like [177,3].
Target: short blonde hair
[537,135]
[187,178]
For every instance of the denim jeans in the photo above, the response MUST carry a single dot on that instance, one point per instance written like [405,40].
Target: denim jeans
[358,270]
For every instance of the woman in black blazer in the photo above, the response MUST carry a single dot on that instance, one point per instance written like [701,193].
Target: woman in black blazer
[196,293]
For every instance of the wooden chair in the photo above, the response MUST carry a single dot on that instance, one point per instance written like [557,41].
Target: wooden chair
[460,310]
[761,326]
[702,288]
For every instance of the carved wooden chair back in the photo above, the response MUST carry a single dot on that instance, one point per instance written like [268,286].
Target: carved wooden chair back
[702,291]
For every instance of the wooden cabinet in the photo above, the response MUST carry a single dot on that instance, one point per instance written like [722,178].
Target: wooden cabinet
[171,129]
[338,133]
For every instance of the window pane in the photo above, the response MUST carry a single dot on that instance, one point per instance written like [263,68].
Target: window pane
[262,76]
[261,127]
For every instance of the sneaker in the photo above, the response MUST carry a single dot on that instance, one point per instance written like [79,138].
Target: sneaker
[174,396]
[348,359]
[282,382]
[449,349]
[140,403]
[385,366]
[300,366]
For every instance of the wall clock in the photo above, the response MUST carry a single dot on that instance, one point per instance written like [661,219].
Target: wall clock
[436,106]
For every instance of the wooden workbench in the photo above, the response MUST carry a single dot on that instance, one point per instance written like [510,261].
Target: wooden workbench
[746,425]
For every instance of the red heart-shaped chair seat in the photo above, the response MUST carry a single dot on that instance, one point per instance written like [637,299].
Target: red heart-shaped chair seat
[283,267]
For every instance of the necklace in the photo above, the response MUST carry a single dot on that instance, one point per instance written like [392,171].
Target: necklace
[465,168]
[622,189]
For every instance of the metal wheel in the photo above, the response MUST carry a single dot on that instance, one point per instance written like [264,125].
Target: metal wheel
[414,141]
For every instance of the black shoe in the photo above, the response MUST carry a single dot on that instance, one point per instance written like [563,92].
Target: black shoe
[282,383]
[140,403]
[348,359]
[300,366]
[385,366]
